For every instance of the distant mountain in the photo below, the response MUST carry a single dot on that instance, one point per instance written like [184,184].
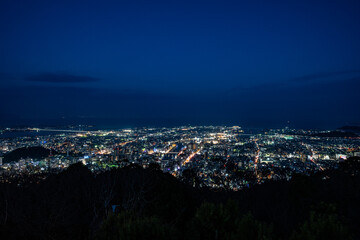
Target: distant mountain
[339,134]
[26,152]
[350,128]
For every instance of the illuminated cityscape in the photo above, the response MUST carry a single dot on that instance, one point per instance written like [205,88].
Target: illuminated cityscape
[218,156]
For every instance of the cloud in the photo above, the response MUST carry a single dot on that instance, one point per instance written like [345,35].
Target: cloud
[61,78]
[323,75]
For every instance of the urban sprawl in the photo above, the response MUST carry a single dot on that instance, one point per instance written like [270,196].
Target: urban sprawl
[213,156]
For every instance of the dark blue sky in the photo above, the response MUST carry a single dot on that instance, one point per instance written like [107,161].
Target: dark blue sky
[254,63]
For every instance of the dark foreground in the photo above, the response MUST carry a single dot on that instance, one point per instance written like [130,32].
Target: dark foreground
[137,203]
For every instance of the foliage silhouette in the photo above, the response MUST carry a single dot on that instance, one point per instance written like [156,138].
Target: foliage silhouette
[78,204]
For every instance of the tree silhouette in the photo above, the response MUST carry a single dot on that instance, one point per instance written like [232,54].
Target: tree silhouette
[129,226]
[323,224]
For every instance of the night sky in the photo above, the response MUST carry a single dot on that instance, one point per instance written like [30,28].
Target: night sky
[248,63]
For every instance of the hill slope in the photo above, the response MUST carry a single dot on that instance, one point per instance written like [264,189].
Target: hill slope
[26,152]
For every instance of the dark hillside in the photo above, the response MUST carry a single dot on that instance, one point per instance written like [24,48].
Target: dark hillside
[26,152]
[148,204]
